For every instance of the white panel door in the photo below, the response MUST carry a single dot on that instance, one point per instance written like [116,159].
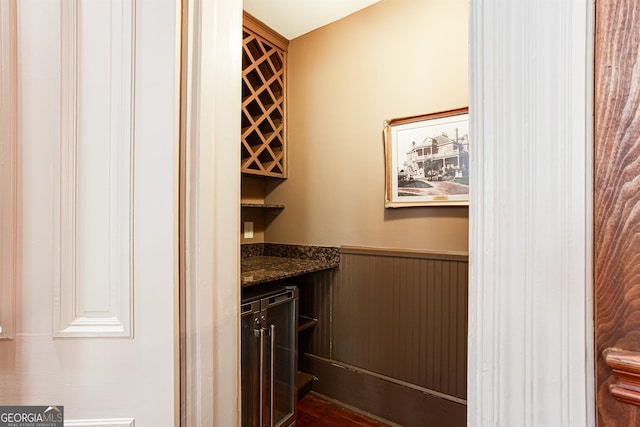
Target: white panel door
[95,304]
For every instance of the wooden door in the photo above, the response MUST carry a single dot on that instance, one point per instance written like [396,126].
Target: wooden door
[94,304]
[617,209]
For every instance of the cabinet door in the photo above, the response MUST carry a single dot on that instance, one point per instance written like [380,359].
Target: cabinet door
[281,361]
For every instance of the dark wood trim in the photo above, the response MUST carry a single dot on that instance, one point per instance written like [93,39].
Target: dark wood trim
[626,365]
[406,253]
[616,202]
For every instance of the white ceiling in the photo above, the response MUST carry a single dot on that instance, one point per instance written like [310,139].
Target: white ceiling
[293,18]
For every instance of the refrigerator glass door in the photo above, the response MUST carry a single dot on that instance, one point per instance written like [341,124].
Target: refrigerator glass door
[281,363]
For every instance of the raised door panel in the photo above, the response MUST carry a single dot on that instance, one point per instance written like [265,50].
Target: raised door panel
[95,194]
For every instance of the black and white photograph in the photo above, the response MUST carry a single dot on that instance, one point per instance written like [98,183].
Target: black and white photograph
[427,159]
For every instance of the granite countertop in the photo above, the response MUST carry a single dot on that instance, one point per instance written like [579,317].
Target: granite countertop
[261,269]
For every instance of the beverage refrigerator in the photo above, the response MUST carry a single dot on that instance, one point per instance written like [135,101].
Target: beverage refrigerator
[269,358]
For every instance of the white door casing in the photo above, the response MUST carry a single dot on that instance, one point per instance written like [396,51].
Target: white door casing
[97,170]
[530,282]
[8,166]
[212,41]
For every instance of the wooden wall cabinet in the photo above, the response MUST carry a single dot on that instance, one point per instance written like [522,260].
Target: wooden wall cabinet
[264,58]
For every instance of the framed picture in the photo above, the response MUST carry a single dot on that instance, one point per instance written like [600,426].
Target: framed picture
[427,159]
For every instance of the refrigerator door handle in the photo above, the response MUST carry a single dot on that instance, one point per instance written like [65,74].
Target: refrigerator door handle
[272,329]
[261,375]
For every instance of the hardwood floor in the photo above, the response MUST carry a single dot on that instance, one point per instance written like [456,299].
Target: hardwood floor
[314,412]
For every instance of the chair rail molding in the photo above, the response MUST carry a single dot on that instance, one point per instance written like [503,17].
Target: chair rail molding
[8,167]
[530,290]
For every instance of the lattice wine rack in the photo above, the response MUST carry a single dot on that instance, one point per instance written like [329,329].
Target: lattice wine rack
[263,106]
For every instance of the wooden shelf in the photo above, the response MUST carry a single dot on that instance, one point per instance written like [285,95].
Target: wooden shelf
[261,205]
[304,381]
[305,322]
[263,100]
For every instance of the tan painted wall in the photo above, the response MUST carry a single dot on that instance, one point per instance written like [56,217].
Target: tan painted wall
[396,58]
[252,191]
